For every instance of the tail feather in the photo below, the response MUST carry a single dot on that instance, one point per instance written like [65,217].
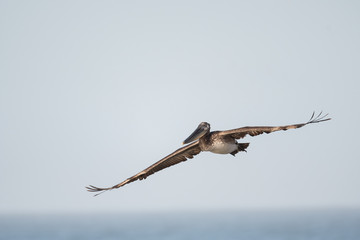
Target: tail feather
[243,146]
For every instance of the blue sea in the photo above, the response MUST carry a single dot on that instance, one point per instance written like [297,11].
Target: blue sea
[269,225]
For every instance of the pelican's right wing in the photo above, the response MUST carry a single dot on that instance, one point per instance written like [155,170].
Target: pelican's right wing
[180,155]
[254,131]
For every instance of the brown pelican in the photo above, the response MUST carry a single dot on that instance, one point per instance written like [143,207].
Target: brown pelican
[222,142]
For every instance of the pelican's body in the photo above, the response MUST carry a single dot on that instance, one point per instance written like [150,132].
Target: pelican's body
[215,143]
[221,142]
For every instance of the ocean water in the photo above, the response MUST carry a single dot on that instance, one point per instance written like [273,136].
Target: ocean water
[269,225]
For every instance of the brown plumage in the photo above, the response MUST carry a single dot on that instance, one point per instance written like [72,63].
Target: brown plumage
[223,142]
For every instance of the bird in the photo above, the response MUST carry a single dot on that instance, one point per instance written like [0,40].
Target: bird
[220,142]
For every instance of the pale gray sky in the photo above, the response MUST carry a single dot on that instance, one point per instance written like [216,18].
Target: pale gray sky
[92,92]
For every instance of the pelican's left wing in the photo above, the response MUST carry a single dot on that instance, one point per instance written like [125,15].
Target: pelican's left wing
[254,131]
[180,155]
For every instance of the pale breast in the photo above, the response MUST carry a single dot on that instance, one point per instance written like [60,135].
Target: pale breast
[223,147]
[216,144]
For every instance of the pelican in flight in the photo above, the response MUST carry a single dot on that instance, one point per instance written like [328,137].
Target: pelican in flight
[221,142]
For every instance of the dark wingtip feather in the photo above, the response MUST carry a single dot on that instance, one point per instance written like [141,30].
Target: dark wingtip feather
[319,118]
[92,188]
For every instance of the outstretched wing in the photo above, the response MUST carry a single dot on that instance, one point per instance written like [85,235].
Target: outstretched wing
[254,131]
[180,155]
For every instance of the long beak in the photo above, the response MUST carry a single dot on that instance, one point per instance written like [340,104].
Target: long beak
[198,133]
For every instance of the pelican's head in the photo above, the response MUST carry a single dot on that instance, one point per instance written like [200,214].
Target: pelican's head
[200,131]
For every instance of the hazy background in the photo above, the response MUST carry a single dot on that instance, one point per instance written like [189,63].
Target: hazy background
[92,92]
